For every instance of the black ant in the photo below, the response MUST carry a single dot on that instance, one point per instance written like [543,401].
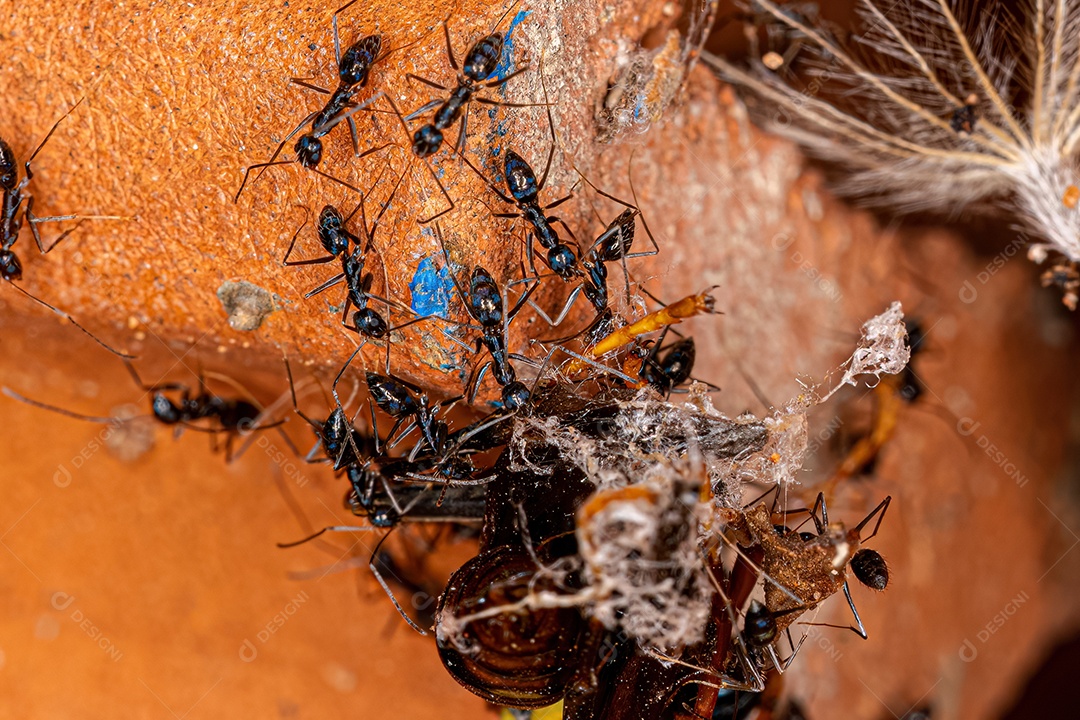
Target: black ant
[13,215]
[354,66]
[336,240]
[666,372]
[481,61]
[340,441]
[232,417]
[524,193]
[484,303]
[612,245]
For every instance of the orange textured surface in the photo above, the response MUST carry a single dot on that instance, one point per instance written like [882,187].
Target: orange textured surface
[171,557]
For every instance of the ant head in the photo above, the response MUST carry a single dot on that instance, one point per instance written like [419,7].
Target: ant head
[515,395]
[165,409]
[426,141]
[331,230]
[456,468]
[9,174]
[520,178]
[870,569]
[759,627]
[10,267]
[370,323]
[308,150]
[356,62]
[563,262]
[483,58]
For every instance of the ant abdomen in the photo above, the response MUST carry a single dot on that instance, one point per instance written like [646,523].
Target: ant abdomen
[524,658]
[870,569]
[8,171]
[483,58]
[308,151]
[356,61]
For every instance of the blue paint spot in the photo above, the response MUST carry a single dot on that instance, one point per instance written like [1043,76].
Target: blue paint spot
[506,62]
[431,288]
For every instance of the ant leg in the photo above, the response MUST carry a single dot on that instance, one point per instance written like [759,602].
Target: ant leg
[562,313]
[326,285]
[265,165]
[860,630]
[52,408]
[302,82]
[459,146]
[386,588]
[337,37]
[505,198]
[71,320]
[26,166]
[551,126]
[475,378]
[495,82]
[427,107]
[449,47]
[882,507]
[315,261]
[341,373]
[34,220]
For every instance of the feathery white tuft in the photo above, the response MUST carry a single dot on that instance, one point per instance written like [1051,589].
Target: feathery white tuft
[932,110]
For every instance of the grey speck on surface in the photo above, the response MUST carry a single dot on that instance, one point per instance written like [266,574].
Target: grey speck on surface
[246,304]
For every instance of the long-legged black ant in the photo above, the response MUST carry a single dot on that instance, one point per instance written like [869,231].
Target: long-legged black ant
[353,67]
[480,62]
[232,417]
[524,192]
[336,240]
[342,444]
[484,303]
[612,245]
[14,213]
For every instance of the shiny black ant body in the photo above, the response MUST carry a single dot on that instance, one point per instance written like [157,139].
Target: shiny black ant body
[341,443]
[353,67]
[666,372]
[612,245]
[229,416]
[524,191]
[484,303]
[12,196]
[474,74]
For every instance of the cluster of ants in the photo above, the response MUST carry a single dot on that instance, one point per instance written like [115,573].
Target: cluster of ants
[531,501]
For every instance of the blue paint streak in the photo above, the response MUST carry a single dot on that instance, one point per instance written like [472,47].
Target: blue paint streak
[431,288]
[506,62]
[505,67]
